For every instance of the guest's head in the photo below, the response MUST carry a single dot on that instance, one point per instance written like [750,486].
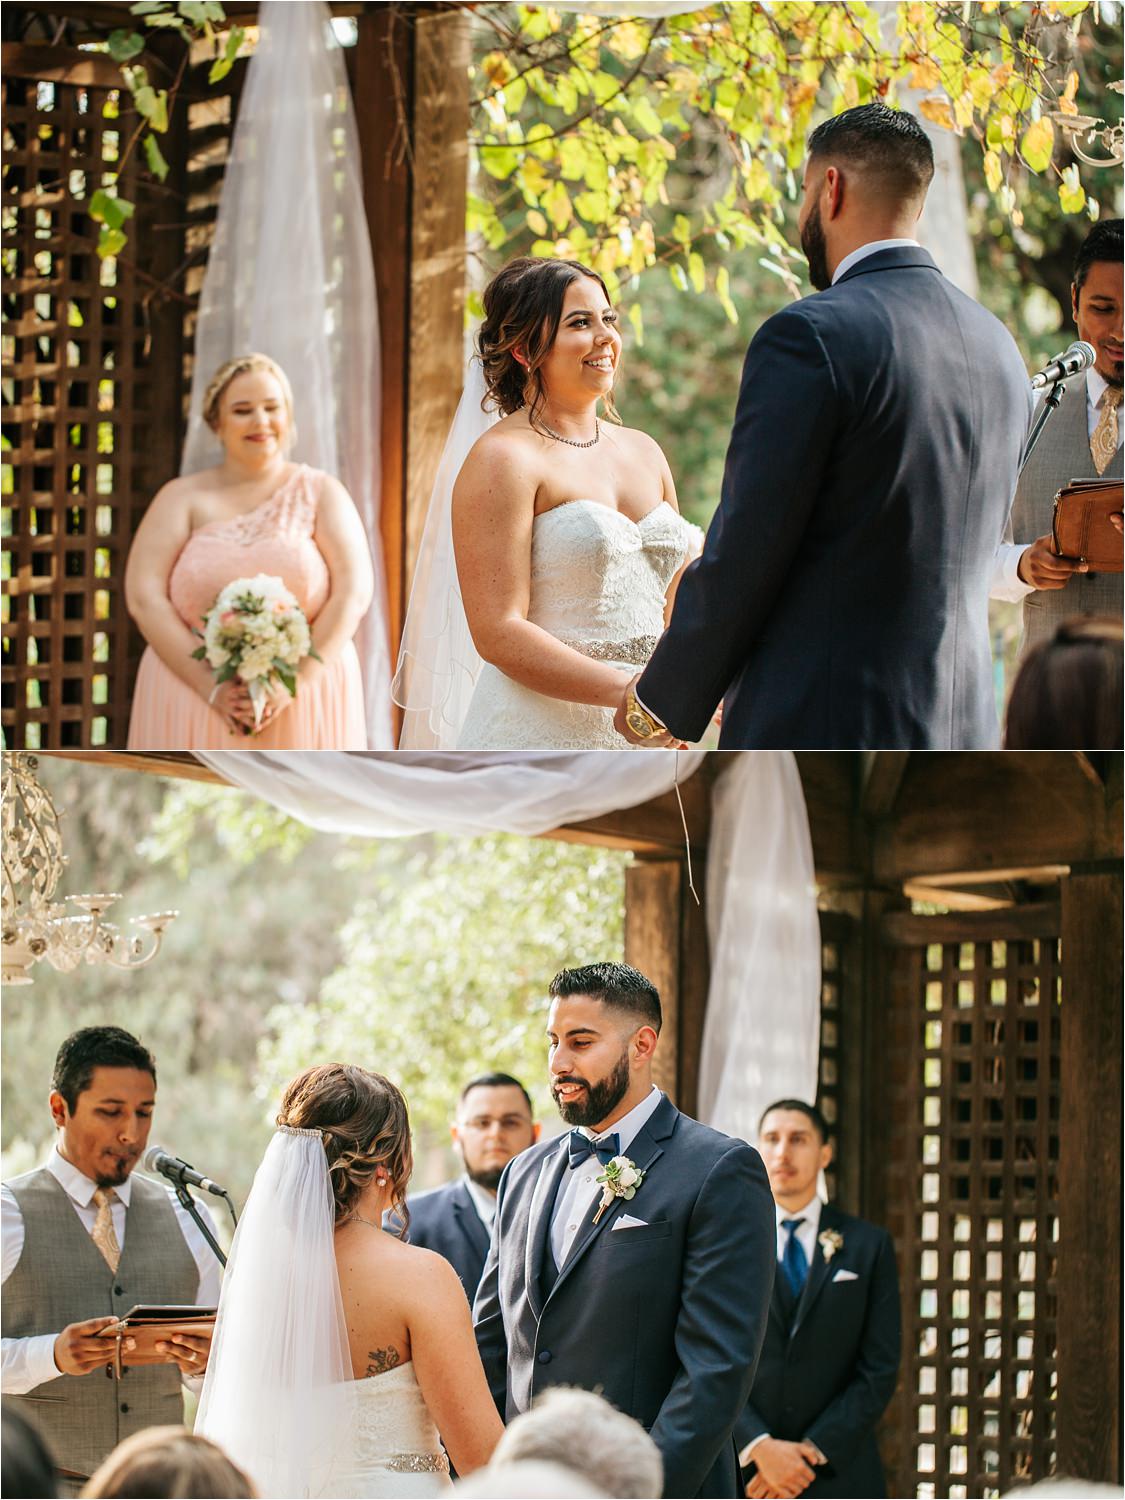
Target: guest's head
[103,1092]
[26,1468]
[365,1126]
[1067,694]
[550,335]
[248,405]
[494,1122]
[1095,296]
[527,1481]
[582,1431]
[866,176]
[793,1141]
[602,1029]
[163,1462]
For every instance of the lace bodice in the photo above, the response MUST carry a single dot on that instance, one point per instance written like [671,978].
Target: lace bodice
[275,537]
[599,579]
[391,1433]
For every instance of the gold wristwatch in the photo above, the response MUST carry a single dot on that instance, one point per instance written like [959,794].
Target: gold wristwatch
[640,721]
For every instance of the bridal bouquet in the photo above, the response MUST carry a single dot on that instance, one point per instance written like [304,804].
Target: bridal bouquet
[257,631]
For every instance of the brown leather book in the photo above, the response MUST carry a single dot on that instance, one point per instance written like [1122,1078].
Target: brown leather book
[1082,527]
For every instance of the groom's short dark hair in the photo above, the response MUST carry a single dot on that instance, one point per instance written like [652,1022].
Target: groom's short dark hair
[616,985]
[888,144]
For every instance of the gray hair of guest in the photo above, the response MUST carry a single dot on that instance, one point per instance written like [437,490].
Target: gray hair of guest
[527,1481]
[615,1453]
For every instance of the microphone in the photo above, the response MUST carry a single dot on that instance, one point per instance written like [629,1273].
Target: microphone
[1080,356]
[157,1159]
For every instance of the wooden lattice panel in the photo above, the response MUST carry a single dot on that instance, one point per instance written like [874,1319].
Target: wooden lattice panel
[832,936]
[974,1079]
[73,419]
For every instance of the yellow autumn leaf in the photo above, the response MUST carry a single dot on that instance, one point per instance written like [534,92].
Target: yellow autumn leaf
[993,170]
[963,109]
[939,112]
[1037,144]
[925,74]
[1067,105]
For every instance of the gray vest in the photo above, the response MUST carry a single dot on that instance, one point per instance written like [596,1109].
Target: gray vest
[1062,454]
[61,1278]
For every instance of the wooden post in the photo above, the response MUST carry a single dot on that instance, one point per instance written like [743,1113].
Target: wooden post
[1090,1142]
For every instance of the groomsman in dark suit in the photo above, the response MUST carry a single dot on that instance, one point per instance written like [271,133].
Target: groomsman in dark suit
[635,1255]
[832,1348]
[494,1123]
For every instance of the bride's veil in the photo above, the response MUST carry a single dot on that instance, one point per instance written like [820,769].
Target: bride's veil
[278,1392]
[438,663]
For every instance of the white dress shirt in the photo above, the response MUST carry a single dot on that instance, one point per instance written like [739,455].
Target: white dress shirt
[1006,582]
[483,1201]
[28,1362]
[870,249]
[574,1202]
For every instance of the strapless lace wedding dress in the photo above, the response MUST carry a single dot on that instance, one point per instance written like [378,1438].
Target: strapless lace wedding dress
[598,583]
[393,1445]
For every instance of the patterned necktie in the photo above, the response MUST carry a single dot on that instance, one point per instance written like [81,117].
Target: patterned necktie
[103,1233]
[1103,439]
[580,1146]
[794,1262]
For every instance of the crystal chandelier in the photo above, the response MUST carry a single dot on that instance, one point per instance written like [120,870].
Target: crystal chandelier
[34,926]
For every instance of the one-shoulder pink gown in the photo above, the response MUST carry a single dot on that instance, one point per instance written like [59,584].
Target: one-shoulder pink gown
[275,538]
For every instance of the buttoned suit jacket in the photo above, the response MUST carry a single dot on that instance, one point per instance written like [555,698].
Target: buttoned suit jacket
[665,1320]
[829,1364]
[841,600]
[446,1220]
[1061,454]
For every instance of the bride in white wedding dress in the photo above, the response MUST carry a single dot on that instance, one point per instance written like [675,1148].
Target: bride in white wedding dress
[565,531]
[343,1362]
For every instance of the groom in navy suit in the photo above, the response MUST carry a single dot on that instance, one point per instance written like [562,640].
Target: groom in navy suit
[634,1256]
[841,600]
[832,1348]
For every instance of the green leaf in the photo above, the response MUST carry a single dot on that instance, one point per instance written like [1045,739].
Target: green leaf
[125,44]
[110,242]
[696,272]
[222,65]
[202,12]
[678,275]
[1037,144]
[155,157]
[153,105]
[498,160]
[556,205]
[1072,195]
[109,210]
[146,7]
[593,207]
[636,318]
[681,230]
[646,117]
[722,291]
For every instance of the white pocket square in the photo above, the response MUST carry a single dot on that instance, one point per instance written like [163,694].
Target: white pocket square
[626,1221]
[842,1275]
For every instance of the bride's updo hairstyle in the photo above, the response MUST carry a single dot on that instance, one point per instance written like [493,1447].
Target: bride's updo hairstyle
[523,306]
[365,1126]
[245,364]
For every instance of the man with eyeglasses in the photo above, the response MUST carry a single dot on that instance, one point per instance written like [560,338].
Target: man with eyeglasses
[493,1123]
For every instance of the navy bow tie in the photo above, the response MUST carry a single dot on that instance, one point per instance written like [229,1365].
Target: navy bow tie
[581,1146]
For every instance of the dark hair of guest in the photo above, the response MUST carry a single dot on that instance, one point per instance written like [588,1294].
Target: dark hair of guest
[96,1047]
[885,144]
[523,306]
[1067,694]
[26,1467]
[617,986]
[819,1123]
[498,1081]
[1104,242]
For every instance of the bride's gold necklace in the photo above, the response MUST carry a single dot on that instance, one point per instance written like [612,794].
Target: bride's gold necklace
[360,1219]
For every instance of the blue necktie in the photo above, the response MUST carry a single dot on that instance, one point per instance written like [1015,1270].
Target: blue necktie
[794,1262]
[581,1146]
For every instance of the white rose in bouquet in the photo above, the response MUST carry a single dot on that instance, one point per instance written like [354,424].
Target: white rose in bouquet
[257,631]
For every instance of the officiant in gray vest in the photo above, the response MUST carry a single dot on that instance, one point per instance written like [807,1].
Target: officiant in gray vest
[1081,440]
[84,1239]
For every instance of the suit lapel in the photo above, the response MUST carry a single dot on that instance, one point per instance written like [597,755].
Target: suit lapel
[539,1222]
[469,1220]
[645,1150]
[818,1271]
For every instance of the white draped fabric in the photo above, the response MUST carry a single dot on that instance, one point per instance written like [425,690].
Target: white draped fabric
[761,1036]
[762,1031]
[290,275]
[397,795]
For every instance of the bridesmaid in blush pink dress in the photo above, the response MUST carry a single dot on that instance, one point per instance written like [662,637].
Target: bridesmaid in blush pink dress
[253,513]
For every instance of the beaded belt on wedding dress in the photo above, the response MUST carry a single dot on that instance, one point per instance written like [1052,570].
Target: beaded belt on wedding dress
[417,1463]
[634,653]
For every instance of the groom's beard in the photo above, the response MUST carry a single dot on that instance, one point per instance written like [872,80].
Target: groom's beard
[599,1100]
[816,251]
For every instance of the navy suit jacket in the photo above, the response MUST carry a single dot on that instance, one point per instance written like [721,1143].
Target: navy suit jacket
[841,601]
[446,1220]
[666,1319]
[829,1365]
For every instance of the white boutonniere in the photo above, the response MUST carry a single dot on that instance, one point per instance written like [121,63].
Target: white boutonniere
[830,1241]
[622,1178]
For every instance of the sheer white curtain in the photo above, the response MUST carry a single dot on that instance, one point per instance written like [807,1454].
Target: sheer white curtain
[761,1037]
[290,275]
[396,795]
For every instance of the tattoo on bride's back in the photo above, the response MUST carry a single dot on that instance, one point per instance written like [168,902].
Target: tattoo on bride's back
[382,1360]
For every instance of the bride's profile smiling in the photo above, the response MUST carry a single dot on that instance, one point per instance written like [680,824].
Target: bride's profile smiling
[566,528]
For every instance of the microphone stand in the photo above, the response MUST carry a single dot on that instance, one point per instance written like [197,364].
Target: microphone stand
[188,1202]
[1050,404]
